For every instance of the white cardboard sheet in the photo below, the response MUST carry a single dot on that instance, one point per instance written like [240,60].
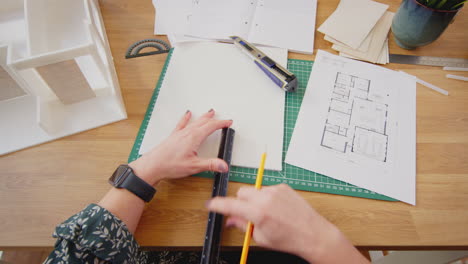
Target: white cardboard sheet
[357,123]
[205,75]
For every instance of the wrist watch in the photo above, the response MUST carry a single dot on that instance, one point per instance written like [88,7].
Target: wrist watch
[124,177]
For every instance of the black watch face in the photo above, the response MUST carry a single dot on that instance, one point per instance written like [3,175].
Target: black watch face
[119,176]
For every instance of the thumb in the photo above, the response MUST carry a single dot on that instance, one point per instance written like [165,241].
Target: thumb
[214,164]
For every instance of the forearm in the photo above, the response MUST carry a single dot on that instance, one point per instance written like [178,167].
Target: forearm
[91,234]
[125,205]
[337,249]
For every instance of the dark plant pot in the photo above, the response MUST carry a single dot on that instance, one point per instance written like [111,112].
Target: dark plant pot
[416,25]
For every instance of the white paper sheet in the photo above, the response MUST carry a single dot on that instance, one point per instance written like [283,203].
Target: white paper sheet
[174,39]
[220,19]
[357,123]
[171,16]
[352,21]
[277,23]
[204,75]
[285,24]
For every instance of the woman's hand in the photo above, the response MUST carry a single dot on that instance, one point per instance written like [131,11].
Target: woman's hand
[176,156]
[284,221]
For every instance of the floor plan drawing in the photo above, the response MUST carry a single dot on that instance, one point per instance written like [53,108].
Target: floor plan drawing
[357,118]
[357,124]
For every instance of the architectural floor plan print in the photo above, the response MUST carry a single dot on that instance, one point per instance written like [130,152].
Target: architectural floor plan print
[357,118]
[357,124]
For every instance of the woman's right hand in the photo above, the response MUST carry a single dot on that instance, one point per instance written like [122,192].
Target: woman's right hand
[284,221]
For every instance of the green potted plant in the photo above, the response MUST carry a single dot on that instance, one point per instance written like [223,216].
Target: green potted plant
[420,22]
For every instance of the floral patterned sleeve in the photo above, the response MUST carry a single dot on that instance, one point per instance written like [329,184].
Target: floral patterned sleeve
[95,235]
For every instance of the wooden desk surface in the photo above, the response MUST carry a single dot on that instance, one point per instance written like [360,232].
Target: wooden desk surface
[43,185]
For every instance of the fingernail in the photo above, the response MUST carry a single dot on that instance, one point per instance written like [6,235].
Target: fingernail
[222,167]
[229,224]
[187,112]
[211,110]
[207,203]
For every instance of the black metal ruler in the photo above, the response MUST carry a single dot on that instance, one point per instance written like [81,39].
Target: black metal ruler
[210,253]
[428,60]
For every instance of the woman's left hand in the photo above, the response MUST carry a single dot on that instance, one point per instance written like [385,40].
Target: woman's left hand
[176,156]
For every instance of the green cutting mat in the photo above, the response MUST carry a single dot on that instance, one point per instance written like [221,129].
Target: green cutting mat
[295,177]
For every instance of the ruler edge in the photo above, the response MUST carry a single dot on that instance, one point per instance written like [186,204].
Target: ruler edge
[221,183]
[458,62]
[134,153]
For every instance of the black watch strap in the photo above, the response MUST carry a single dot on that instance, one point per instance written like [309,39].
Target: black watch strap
[124,177]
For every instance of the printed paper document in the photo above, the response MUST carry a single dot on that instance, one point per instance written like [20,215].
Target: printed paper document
[357,123]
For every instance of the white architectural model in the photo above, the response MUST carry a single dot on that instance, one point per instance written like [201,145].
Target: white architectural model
[57,75]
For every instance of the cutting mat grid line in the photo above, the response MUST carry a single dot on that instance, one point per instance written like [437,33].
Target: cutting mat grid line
[295,177]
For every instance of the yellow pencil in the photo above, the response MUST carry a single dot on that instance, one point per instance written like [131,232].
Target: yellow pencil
[249,231]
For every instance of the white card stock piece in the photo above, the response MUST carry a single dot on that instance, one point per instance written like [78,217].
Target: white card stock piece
[377,37]
[205,75]
[357,124]
[383,57]
[352,21]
